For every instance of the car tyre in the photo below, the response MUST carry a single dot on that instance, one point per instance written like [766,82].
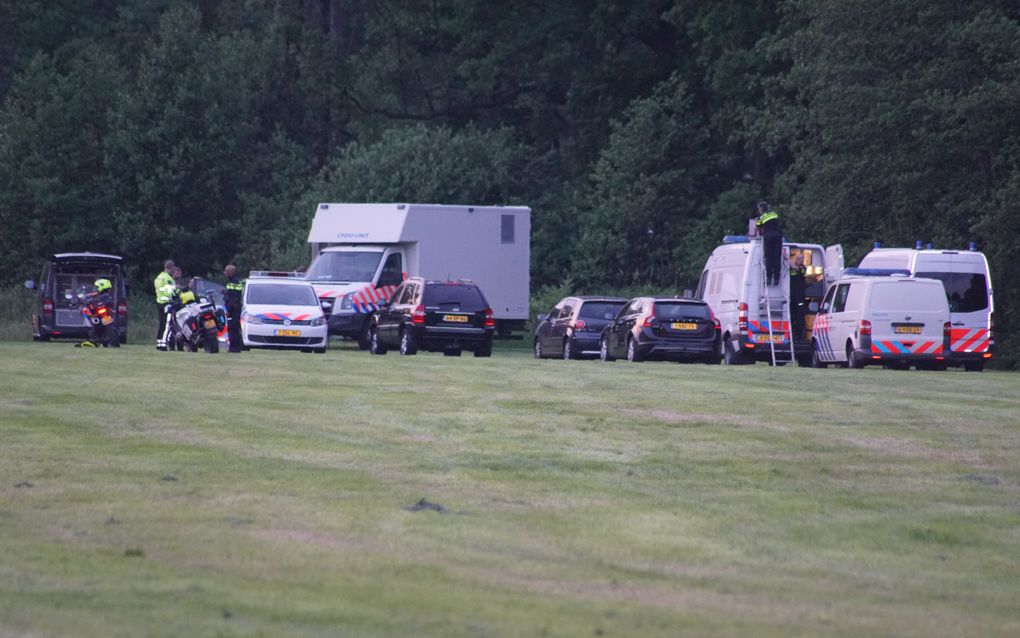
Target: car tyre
[365,338]
[852,360]
[452,352]
[816,357]
[484,350]
[375,344]
[730,355]
[408,346]
[537,349]
[604,350]
[974,366]
[633,354]
[568,349]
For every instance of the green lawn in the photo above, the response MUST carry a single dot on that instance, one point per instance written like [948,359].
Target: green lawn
[271,493]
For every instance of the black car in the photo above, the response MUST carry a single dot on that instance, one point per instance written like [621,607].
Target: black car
[55,314]
[573,328]
[665,328]
[439,316]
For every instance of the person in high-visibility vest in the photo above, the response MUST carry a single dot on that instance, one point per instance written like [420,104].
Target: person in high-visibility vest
[165,287]
[232,300]
[771,229]
[798,285]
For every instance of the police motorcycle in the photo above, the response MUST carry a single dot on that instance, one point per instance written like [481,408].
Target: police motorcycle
[197,322]
[97,313]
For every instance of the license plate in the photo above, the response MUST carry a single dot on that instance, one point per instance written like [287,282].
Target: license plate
[456,318]
[209,323]
[907,330]
[684,325]
[765,338]
[107,320]
[288,333]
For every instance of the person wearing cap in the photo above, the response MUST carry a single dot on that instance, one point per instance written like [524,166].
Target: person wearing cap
[771,229]
[232,299]
[165,288]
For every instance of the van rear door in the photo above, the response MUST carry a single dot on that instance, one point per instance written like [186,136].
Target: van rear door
[965,279]
[834,264]
[907,317]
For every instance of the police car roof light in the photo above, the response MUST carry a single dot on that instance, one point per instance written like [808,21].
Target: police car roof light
[972,246]
[736,239]
[918,244]
[875,272]
[276,273]
[929,245]
[878,244]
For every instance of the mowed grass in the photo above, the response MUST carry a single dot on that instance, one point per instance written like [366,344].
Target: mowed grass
[272,494]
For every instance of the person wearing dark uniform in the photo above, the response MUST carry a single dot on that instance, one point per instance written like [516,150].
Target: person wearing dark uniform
[771,230]
[232,299]
[797,289]
[165,288]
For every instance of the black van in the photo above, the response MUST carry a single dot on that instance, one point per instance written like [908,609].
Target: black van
[63,275]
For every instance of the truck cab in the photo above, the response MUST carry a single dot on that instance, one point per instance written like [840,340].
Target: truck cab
[351,282]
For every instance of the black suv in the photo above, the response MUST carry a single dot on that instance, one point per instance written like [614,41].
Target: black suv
[55,313]
[667,328]
[572,329]
[440,316]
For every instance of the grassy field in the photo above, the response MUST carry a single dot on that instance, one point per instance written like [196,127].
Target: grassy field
[281,494]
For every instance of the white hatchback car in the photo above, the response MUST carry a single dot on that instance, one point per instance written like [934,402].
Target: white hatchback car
[282,312]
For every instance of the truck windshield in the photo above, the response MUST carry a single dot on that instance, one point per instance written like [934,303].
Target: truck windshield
[345,266]
[281,295]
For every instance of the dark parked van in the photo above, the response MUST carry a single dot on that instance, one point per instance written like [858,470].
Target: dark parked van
[54,314]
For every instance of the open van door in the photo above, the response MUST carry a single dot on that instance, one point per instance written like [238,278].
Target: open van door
[834,265]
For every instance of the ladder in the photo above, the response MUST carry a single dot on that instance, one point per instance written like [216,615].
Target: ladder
[776,305]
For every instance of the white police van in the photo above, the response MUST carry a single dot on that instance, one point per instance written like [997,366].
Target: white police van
[968,287]
[893,320]
[282,311]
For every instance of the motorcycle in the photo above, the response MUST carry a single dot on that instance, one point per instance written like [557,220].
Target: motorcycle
[197,323]
[97,313]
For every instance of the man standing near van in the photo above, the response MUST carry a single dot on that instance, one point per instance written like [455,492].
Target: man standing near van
[165,287]
[797,288]
[771,230]
[232,299]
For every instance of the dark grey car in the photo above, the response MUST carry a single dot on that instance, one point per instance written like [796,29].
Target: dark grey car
[662,328]
[571,330]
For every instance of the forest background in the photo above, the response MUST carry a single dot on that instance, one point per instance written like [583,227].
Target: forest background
[639,132]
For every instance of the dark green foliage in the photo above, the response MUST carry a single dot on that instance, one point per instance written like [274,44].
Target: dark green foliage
[640,133]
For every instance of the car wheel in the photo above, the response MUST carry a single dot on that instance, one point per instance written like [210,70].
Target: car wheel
[730,355]
[714,358]
[320,351]
[407,343]
[375,345]
[604,350]
[538,349]
[568,349]
[816,357]
[484,350]
[852,360]
[633,354]
[365,338]
[974,366]
[453,352]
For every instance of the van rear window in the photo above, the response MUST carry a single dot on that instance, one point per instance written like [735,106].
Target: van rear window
[463,296]
[670,311]
[905,296]
[966,292]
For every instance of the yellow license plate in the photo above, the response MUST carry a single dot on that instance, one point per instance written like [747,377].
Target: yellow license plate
[209,323]
[684,326]
[908,330]
[288,333]
[765,338]
[107,320]
[456,318]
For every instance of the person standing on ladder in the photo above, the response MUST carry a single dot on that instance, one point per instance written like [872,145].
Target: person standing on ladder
[771,229]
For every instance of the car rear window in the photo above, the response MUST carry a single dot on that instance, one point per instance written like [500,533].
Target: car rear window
[966,292]
[281,295]
[906,296]
[462,296]
[670,310]
[600,309]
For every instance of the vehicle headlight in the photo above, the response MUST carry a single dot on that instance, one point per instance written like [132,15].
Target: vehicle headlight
[318,321]
[252,318]
[347,303]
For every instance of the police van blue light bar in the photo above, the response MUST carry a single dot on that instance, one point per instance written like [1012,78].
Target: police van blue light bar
[736,239]
[876,272]
[276,273]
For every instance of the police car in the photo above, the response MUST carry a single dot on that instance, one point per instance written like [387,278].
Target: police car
[282,311]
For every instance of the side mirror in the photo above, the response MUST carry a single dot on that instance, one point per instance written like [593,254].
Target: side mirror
[68,295]
[30,284]
[542,317]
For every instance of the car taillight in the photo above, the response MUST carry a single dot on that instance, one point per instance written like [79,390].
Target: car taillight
[742,319]
[47,305]
[490,321]
[650,319]
[864,327]
[418,315]
[579,324]
[122,307]
[715,320]
[102,310]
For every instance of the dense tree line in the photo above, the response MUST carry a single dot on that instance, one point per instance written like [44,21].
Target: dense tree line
[639,132]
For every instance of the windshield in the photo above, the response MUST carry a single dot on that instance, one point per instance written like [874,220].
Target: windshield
[281,295]
[905,296]
[345,266]
[670,311]
[600,309]
[966,292]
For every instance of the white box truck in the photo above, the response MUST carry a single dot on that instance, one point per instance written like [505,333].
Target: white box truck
[968,283]
[362,252]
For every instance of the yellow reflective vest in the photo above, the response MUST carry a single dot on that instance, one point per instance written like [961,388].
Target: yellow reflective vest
[165,287]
